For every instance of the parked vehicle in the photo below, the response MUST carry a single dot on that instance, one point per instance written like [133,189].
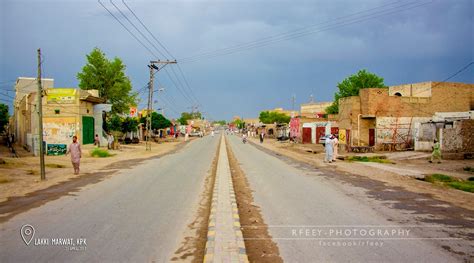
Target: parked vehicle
[195,134]
[322,140]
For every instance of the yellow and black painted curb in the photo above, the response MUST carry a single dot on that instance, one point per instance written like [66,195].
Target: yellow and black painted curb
[211,230]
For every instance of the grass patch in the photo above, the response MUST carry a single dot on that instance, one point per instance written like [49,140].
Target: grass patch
[467,186]
[439,178]
[442,179]
[101,153]
[55,165]
[469,169]
[374,159]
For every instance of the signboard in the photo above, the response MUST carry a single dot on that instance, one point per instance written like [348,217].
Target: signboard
[61,96]
[342,136]
[57,149]
[133,112]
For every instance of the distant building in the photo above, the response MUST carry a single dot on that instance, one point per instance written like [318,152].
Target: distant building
[386,117]
[314,109]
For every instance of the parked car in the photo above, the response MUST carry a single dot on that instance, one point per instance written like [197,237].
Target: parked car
[322,140]
[196,134]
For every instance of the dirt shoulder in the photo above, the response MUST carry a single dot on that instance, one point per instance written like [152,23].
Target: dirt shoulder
[313,155]
[20,176]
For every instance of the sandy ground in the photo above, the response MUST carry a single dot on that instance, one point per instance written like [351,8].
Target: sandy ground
[393,175]
[20,176]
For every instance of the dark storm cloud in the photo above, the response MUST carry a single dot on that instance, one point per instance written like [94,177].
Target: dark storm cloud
[425,43]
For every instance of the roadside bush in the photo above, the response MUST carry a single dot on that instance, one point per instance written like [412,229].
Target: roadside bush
[374,159]
[101,153]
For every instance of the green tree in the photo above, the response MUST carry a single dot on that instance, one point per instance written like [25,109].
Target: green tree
[3,116]
[185,116]
[108,76]
[239,123]
[114,123]
[129,124]
[158,121]
[269,117]
[351,85]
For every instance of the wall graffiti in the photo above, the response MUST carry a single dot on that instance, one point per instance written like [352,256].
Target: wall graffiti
[395,129]
[59,130]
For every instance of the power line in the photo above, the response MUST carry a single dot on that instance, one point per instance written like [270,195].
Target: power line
[192,96]
[187,84]
[459,71]
[304,31]
[148,49]
[138,30]
[133,35]
[146,28]
[452,94]
[178,88]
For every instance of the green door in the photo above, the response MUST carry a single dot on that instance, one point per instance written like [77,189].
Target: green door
[87,130]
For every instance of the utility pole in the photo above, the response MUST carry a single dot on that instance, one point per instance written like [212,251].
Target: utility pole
[40,118]
[149,109]
[154,65]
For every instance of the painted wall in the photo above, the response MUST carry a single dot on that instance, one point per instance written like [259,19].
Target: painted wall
[59,130]
[393,129]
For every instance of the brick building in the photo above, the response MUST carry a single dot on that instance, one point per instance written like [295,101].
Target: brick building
[66,112]
[387,116]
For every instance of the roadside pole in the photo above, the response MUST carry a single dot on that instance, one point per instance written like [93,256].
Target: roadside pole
[40,117]
[153,66]
[149,109]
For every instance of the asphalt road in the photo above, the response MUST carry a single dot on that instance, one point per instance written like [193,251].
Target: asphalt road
[138,215]
[313,218]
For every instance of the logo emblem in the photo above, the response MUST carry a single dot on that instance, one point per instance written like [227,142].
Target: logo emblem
[27,233]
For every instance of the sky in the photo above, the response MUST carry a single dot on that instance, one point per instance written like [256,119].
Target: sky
[306,47]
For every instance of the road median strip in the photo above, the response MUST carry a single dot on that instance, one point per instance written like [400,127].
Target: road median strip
[224,237]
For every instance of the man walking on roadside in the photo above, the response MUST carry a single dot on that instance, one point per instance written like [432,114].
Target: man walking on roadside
[328,146]
[436,154]
[76,154]
[262,135]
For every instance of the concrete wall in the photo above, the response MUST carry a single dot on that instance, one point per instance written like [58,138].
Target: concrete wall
[459,138]
[412,90]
